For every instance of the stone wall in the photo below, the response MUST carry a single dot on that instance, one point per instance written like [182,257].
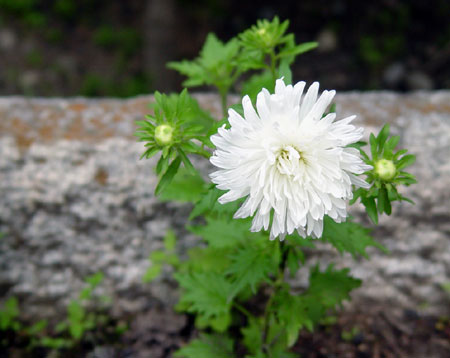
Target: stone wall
[75,199]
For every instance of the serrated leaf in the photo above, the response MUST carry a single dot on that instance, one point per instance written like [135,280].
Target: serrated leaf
[331,287]
[252,336]
[299,49]
[221,233]
[207,346]
[349,237]
[205,293]
[250,265]
[294,258]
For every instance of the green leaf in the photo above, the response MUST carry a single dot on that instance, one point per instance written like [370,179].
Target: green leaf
[252,336]
[371,208]
[405,161]
[384,204]
[8,314]
[285,71]
[256,83]
[331,286]
[168,176]
[349,237]
[216,64]
[37,328]
[382,136]
[373,146]
[209,204]
[299,49]
[76,330]
[207,346]
[250,265]
[187,163]
[221,233]
[151,273]
[95,279]
[184,187]
[85,293]
[170,240]
[294,258]
[391,144]
[204,293]
[207,259]
[75,311]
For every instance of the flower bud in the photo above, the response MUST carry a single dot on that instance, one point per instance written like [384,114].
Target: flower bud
[385,169]
[163,134]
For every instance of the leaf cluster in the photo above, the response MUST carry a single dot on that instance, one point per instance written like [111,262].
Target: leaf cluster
[191,128]
[65,334]
[216,65]
[160,257]
[377,199]
[290,313]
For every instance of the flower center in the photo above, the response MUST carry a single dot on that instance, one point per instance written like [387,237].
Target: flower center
[289,160]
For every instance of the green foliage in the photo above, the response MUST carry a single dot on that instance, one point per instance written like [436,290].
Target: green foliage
[327,290]
[158,258]
[207,346]
[67,333]
[255,83]
[251,265]
[349,237]
[188,124]
[9,314]
[185,187]
[222,233]
[235,279]
[377,199]
[215,66]
[205,293]
[268,41]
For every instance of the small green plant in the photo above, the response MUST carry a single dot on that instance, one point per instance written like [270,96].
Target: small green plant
[66,334]
[284,171]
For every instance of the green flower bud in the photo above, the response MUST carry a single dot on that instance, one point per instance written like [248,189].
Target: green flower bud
[164,134]
[385,169]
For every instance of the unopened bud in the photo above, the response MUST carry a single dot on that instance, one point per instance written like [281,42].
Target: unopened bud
[163,134]
[385,169]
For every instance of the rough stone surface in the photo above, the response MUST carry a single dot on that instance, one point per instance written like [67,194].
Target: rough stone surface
[75,199]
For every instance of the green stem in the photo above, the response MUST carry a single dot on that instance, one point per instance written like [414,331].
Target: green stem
[224,100]
[241,308]
[276,286]
[273,62]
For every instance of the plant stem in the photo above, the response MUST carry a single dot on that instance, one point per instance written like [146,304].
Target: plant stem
[276,285]
[273,62]
[241,308]
[224,100]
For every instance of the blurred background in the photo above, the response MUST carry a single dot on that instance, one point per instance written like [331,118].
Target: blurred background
[120,48]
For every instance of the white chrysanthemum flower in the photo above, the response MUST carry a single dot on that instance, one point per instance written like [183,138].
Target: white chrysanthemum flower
[288,158]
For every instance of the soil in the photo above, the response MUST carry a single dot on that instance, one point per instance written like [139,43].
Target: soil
[369,332]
